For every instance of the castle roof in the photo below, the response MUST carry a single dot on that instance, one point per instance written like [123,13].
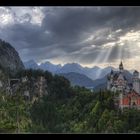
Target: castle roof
[136,71]
[121,64]
[130,85]
[116,75]
[125,77]
[111,72]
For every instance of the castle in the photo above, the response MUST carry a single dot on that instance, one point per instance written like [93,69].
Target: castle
[128,89]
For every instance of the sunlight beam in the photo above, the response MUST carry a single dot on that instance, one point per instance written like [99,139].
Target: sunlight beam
[106,56]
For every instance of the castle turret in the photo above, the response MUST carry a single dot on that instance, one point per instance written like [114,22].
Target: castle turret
[110,80]
[136,82]
[121,67]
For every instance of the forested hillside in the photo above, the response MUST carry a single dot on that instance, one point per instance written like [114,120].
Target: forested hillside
[65,109]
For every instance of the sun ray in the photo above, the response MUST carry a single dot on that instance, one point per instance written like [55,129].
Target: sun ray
[119,56]
[105,58]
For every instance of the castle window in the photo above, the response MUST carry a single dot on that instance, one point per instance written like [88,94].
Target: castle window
[134,104]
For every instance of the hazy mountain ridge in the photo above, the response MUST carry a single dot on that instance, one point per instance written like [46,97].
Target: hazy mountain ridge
[95,77]
[78,79]
[50,67]
[31,64]
[92,73]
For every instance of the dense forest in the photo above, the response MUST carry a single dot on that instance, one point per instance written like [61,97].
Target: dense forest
[65,109]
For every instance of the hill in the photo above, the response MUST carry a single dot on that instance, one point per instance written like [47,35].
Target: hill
[9,58]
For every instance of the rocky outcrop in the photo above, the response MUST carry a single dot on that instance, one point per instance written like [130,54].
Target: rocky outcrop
[9,58]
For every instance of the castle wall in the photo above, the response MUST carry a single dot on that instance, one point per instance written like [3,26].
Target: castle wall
[136,86]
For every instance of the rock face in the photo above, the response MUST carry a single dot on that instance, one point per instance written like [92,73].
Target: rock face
[9,58]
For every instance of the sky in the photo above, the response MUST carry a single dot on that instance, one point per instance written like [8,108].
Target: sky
[101,36]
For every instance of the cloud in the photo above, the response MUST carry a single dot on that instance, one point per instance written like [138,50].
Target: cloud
[72,34]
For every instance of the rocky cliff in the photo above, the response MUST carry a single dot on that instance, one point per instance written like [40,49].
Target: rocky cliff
[9,57]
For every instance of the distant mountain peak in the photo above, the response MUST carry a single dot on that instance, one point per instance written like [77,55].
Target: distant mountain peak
[78,79]
[92,73]
[73,64]
[50,63]
[46,62]
[31,64]
[96,67]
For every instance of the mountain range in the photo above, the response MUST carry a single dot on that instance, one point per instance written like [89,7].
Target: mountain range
[94,77]
[92,73]
[78,79]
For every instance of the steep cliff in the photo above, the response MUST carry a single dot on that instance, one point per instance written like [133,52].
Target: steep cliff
[9,58]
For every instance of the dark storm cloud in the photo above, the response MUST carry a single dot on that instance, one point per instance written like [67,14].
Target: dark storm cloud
[70,22]
[64,30]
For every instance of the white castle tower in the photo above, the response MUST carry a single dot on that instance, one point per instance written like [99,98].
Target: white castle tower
[110,80]
[116,81]
[136,81]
